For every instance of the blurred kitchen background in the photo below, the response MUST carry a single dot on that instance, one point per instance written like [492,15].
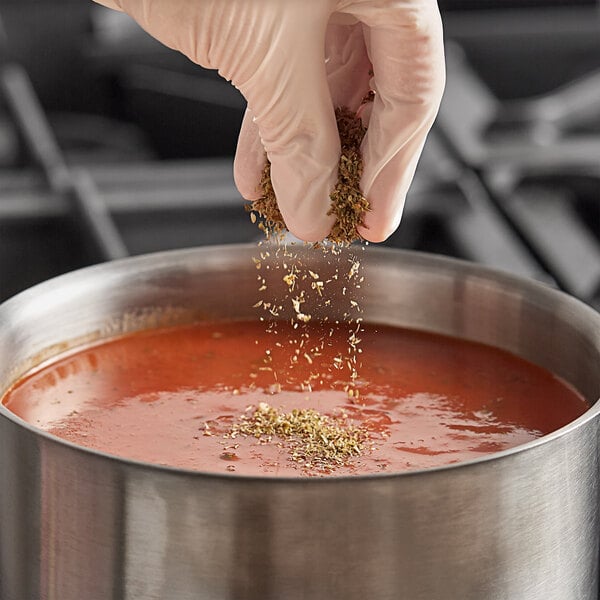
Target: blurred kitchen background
[111,144]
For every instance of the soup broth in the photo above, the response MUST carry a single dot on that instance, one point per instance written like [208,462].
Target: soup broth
[184,396]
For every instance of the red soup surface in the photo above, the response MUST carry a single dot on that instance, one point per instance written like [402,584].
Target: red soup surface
[172,397]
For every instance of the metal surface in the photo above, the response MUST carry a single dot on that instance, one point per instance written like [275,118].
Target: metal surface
[519,525]
[504,146]
[75,185]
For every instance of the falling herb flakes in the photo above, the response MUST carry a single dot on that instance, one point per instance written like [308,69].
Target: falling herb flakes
[314,440]
[348,204]
[304,291]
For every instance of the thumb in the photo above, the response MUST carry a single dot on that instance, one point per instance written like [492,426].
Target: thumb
[289,97]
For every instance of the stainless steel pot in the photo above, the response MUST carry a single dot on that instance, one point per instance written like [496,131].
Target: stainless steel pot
[519,525]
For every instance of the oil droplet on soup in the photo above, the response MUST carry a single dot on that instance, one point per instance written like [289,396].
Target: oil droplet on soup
[174,397]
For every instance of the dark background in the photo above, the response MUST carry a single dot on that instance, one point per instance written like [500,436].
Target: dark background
[142,143]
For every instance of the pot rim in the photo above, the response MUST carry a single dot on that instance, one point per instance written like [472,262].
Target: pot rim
[414,257]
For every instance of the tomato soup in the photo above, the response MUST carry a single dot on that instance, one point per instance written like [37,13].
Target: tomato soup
[177,397]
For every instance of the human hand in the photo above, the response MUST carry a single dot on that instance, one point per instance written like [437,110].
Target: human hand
[295,61]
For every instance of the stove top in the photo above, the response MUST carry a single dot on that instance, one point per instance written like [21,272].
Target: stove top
[112,145]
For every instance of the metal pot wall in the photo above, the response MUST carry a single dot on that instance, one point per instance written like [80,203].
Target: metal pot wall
[518,525]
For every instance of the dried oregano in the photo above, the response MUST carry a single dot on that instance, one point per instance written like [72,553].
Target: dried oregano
[314,440]
[347,201]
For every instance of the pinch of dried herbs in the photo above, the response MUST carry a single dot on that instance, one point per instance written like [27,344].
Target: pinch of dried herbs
[314,440]
[348,204]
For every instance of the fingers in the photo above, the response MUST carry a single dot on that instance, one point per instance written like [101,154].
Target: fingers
[347,70]
[289,98]
[273,52]
[387,193]
[405,45]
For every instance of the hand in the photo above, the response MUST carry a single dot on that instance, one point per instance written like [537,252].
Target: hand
[295,61]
